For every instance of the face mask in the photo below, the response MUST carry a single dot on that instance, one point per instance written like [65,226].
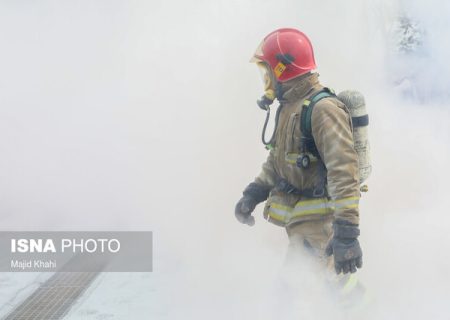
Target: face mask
[269,86]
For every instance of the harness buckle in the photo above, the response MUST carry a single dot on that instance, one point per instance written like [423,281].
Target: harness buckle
[319,192]
[303,161]
[286,187]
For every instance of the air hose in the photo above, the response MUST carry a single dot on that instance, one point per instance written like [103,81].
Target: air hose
[263,136]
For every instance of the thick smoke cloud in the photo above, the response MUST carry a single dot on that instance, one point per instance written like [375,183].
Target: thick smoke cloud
[142,115]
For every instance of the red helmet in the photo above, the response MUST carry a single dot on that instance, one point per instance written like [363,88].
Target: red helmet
[288,52]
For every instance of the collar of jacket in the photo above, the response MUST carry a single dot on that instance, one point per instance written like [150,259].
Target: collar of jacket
[298,87]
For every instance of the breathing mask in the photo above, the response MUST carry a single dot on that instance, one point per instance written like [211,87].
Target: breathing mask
[269,86]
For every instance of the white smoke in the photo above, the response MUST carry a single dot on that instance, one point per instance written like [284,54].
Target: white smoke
[142,115]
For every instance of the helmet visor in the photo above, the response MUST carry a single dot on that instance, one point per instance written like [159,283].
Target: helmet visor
[266,75]
[258,53]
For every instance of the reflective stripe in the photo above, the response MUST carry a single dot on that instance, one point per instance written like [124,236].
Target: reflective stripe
[279,212]
[347,203]
[354,296]
[316,206]
[302,208]
[312,211]
[280,207]
[277,216]
[283,213]
[350,284]
[291,157]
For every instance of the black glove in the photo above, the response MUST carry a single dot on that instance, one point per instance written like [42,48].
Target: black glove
[345,247]
[253,194]
[244,209]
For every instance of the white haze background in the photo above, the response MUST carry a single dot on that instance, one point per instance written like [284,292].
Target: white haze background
[141,115]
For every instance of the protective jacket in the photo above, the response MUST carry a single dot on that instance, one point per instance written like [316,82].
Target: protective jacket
[336,166]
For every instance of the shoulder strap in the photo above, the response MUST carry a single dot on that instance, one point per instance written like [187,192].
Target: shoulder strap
[307,110]
[307,141]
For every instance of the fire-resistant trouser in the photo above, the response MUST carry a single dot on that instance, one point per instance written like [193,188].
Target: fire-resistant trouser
[310,238]
[307,241]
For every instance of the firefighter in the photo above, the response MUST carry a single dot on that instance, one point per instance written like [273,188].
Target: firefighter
[310,180]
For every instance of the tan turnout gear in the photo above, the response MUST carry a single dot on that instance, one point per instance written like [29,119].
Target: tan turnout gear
[311,178]
[332,133]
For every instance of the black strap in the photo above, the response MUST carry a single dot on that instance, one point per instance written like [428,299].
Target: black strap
[361,121]
[286,187]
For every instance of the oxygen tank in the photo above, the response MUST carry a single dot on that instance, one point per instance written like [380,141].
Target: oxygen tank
[356,104]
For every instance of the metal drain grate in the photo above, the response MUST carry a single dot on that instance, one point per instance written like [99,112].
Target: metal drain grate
[54,298]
